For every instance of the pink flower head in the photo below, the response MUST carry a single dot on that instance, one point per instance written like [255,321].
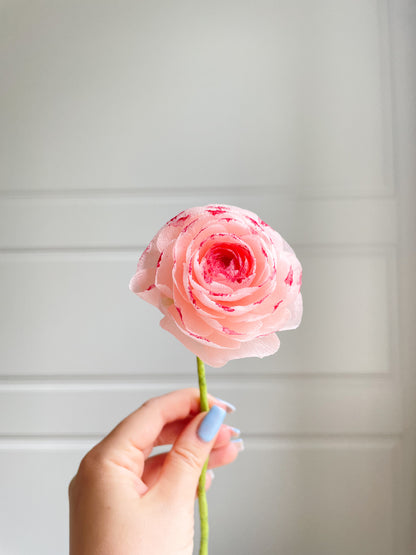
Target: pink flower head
[224,280]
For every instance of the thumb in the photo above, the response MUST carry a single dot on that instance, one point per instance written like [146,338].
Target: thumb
[184,462]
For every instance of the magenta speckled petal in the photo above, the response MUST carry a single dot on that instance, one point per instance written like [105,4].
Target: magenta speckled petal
[224,280]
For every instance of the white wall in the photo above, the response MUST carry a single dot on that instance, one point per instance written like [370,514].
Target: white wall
[114,116]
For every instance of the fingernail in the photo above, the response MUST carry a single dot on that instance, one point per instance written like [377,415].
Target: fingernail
[211,423]
[234,431]
[239,444]
[228,406]
[211,473]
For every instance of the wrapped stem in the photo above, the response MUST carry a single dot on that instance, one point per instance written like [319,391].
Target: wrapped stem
[202,496]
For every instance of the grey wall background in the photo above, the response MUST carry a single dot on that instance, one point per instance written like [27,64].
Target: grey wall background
[114,116]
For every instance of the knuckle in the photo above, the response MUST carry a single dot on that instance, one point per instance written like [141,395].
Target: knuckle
[90,464]
[71,487]
[90,472]
[149,403]
[83,476]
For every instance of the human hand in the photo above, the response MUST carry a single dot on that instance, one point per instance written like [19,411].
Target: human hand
[123,502]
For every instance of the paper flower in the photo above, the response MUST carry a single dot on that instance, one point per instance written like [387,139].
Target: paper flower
[224,280]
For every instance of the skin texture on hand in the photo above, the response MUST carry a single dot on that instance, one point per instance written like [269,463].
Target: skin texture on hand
[124,502]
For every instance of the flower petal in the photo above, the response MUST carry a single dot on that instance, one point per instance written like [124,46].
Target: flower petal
[224,280]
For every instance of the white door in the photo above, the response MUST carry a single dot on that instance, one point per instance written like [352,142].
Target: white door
[114,116]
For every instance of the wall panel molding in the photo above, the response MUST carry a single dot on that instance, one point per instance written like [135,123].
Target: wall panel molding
[308,477]
[279,407]
[141,108]
[70,313]
[128,222]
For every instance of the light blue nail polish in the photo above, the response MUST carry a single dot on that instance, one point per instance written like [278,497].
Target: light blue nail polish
[211,423]
[235,431]
[229,406]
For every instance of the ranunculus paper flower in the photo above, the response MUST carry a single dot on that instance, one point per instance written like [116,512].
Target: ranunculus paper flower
[224,280]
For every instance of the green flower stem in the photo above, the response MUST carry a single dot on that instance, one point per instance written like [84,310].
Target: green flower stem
[202,496]
[202,385]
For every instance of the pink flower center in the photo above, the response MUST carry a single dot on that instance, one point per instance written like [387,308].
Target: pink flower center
[227,262]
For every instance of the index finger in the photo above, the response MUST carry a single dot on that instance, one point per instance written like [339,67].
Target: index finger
[142,428]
